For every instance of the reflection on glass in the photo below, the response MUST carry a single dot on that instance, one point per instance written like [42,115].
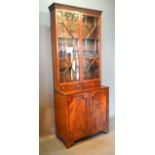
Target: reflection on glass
[68,33]
[90,47]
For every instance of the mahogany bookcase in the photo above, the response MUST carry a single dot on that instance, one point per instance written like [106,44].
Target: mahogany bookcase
[81,103]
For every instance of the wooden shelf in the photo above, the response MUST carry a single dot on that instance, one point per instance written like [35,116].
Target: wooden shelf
[67,38]
[93,39]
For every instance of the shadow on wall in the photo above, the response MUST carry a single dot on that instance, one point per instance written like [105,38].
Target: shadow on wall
[46,112]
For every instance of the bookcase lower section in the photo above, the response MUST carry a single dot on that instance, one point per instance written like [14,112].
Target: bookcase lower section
[81,114]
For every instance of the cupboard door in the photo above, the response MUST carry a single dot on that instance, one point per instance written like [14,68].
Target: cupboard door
[68,31]
[98,110]
[90,46]
[78,116]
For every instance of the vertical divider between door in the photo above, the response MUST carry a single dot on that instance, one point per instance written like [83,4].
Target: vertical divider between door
[81,54]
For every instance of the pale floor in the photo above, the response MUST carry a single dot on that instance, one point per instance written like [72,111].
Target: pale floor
[101,144]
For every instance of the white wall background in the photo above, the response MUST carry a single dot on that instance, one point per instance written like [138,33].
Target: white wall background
[45,60]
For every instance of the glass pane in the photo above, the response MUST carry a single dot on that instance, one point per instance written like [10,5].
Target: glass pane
[68,43]
[90,47]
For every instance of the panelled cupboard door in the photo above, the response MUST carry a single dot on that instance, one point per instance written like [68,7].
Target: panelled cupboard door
[78,115]
[98,110]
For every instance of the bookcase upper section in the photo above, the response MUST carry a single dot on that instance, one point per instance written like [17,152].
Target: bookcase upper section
[76,46]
